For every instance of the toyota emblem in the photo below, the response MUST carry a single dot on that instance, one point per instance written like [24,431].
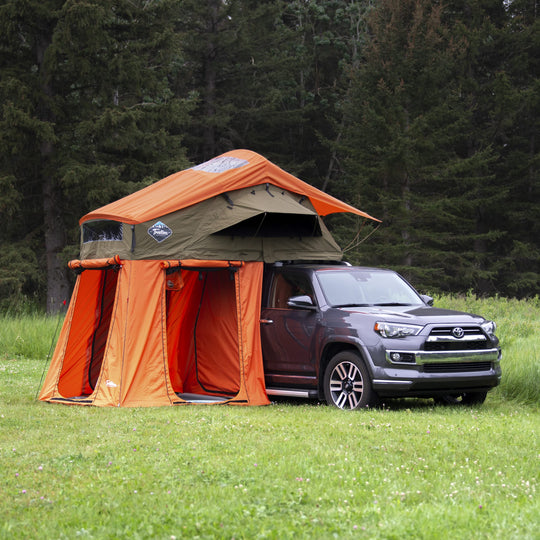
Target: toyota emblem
[458,332]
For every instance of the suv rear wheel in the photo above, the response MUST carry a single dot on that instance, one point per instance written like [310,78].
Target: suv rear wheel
[347,384]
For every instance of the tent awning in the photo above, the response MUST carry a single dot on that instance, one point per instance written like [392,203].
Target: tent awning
[229,172]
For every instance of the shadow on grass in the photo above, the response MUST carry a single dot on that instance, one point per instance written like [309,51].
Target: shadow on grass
[397,404]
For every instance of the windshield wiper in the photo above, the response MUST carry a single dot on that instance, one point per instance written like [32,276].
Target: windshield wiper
[351,305]
[392,304]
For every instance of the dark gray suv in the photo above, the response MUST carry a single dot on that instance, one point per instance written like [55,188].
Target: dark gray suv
[353,335]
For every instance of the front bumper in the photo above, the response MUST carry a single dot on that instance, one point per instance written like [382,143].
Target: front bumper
[431,373]
[426,357]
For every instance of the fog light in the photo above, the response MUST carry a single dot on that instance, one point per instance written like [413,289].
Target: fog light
[402,357]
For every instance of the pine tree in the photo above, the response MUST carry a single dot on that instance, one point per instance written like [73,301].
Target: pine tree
[88,115]
[500,85]
[27,141]
[517,112]
[269,77]
[410,126]
[242,63]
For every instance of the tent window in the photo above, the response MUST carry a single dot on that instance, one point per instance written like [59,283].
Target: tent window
[274,225]
[101,231]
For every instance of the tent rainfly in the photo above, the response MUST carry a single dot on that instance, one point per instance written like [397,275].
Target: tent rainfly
[166,306]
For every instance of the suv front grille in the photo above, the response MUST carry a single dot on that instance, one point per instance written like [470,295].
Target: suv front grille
[452,367]
[443,339]
[457,346]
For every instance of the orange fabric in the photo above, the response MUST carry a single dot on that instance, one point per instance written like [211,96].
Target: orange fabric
[217,359]
[199,263]
[140,336]
[182,307]
[174,282]
[98,341]
[192,186]
[94,263]
[134,368]
[49,390]
[248,286]
[227,359]
[74,378]
[68,375]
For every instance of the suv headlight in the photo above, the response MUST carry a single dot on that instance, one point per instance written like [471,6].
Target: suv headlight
[489,328]
[396,330]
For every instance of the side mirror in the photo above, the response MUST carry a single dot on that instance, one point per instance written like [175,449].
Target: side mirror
[302,302]
[427,299]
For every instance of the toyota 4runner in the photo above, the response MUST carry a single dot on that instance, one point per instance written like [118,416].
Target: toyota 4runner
[352,335]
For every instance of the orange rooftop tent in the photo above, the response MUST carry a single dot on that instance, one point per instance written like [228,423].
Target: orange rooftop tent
[166,306]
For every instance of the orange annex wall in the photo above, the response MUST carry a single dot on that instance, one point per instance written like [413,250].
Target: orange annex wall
[144,333]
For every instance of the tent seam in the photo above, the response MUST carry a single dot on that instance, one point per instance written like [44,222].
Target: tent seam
[121,384]
[164,344]
[240,337]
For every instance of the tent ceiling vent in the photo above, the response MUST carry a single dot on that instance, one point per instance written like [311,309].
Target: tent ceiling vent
[220,164]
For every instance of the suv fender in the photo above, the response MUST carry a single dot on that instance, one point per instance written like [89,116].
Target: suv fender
[335,346]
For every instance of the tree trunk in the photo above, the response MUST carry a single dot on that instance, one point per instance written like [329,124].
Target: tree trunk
[405,231]
[54,229]
[57,280]
[481,249]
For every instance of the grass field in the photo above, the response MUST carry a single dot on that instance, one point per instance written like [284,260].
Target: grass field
[290,470]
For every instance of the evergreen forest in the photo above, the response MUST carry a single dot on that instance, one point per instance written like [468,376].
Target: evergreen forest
[423,113]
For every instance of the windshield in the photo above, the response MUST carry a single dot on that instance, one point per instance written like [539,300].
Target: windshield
[359,287]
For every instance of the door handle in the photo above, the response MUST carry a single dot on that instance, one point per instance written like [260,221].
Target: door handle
[266,321]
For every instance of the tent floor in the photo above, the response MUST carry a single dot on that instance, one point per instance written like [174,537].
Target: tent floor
[201,398]
[74,399]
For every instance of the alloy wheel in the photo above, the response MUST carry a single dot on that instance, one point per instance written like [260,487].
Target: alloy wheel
[346,385]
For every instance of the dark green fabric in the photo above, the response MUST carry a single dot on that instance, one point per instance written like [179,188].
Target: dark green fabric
[261,223]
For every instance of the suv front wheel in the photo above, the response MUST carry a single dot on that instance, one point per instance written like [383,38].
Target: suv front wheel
[347,384]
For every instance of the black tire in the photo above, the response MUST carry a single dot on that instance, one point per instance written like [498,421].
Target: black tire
[467,398]
[347,383]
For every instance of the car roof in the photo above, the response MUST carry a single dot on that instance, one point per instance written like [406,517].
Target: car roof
[323,266]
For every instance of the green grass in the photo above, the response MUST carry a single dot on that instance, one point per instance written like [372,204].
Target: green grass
[518,328]
[28,335]
[290,470]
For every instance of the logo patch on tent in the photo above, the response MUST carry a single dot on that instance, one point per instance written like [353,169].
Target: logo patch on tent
[220,164]
[159,231]
[111,384]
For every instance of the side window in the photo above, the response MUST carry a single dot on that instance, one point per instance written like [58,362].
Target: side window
[286,285]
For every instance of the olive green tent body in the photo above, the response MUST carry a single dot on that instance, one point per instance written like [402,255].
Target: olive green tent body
[238,206]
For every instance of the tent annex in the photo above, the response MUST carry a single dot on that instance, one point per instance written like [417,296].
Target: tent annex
[166,306]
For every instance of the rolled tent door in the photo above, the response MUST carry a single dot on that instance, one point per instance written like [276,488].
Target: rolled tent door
[79,351]
[213,334]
